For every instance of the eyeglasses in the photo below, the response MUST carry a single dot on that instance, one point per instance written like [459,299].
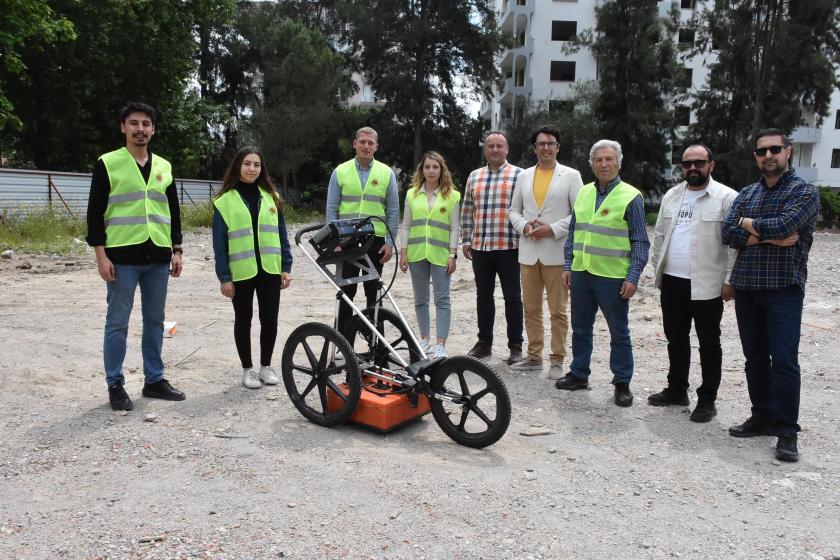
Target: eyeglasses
[546,144]
[697,163]
[761,152]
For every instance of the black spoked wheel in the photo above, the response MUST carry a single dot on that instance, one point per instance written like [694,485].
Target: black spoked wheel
[369,348]
[325,393]
[476,410]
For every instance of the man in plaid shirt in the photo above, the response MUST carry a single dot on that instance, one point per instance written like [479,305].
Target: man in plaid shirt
[491,243]
[772,223]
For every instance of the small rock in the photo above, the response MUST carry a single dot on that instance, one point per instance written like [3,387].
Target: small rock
[531,432]
[645,545]
[647,317]
[812,476]
[7,254]
[775,463]
[271,397]
[207,257]
[291,505]
[122,413]
[149,417]
[24,265]
[395,514]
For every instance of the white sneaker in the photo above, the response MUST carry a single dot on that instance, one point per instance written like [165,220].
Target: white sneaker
[555,371]
[438,351]
[250,379]
[268,376]
[425,345]
[339,358]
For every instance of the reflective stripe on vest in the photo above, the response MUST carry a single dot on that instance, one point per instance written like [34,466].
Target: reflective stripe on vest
[137,210]
[601,242]
[356,201]
[428,237]
[241,252]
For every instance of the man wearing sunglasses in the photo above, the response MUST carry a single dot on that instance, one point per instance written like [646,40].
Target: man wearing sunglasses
[772,223]
[692,268]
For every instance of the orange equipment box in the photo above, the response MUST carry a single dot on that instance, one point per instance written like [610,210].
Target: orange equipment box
[383,413]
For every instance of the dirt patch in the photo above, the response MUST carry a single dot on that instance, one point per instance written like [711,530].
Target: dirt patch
[79,481]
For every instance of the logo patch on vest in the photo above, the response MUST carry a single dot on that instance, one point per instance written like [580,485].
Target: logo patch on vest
[374,182]
[604,212]
[272,210]
[159,177]
[443,210]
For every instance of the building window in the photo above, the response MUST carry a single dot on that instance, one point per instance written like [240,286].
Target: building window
[835,158]
[688,4]
[686,39]
[837,119]
[563,30]
[562,71]
[682,115]
[684,77]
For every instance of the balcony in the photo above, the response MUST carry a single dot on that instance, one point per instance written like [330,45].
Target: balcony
[806,135]
[808,173]
[510,10]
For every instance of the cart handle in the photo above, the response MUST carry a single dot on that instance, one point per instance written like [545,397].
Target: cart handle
[307,229]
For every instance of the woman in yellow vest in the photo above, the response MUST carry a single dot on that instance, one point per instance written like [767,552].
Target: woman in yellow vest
[252,255]
[429,245]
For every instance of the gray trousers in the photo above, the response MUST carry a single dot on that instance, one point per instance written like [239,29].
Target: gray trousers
[421,273]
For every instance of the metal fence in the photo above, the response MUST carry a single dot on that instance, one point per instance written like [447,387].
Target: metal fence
[22,190]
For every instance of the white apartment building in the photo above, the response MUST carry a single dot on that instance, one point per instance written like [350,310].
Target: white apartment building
[536,68]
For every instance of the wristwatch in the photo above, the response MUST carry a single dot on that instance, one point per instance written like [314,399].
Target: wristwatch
[178,249]
[453,256]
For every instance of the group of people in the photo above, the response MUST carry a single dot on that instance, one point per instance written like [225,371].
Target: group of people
[540,233]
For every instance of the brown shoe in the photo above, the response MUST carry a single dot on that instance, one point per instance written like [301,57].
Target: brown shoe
[481,350]
[514,356]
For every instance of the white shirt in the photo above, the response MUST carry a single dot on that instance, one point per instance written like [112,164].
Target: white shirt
[710,261]
[678,256]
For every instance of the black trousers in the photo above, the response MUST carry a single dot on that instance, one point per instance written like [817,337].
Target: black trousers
[486,266]
[267,287]
[345,312]
[678,310]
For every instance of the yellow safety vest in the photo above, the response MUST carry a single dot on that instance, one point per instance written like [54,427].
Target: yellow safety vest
[428,237]
[137,210]
[601,243]
[243,259]
[357,202]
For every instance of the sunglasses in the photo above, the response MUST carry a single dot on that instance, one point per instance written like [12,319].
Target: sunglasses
[761,152]
[697,163]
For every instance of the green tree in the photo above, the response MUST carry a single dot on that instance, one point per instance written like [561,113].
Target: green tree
[24,21]
[123,50]
[420,56]
[637,72]
[574,116]
[303,82]
[774,67]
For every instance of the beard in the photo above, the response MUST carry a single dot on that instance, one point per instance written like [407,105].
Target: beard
[696,179]
[772,168]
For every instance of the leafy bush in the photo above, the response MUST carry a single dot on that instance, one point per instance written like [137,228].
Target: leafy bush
[650,217]
[829,205]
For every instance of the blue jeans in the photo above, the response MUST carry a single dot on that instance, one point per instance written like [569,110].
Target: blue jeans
[421,273]
[589,293]
[769,323]
[153,280]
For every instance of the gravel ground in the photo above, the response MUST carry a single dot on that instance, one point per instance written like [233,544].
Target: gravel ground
[80,481]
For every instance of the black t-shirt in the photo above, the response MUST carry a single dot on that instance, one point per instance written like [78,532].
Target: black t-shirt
[143,253]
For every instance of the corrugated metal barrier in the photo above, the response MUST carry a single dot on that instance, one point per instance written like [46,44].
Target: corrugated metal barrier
[22,190]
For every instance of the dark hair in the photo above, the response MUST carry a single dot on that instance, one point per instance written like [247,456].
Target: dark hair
[709,153]
[548,130]
[232,175]
[492,132]
[770,132]
[137,107]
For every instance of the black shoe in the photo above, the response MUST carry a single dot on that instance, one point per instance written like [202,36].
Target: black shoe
[162,390]
[668,397]
[786,448]
[571,383]
[752,427]
[481,350]
[119,398]
[515,354]
[623,396]
[703,412]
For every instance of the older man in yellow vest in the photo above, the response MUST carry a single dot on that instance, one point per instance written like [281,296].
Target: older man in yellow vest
[362,187]
[135,228]
[606,250]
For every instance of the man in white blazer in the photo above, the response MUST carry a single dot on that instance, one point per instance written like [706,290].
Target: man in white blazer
[692,267]
[540,212]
